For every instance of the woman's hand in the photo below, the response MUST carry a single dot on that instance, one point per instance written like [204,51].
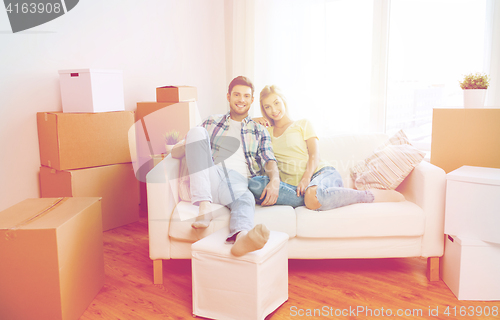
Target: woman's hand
[263,121]
[302,186]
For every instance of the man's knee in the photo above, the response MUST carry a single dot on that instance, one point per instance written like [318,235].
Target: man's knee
[197,133]
[310,198]
[246,199]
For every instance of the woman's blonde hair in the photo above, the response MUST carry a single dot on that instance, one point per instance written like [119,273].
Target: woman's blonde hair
[268,90]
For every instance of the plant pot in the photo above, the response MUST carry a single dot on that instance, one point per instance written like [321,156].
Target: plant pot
[474,98]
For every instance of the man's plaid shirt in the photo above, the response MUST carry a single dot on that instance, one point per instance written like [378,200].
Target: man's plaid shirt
[255,138]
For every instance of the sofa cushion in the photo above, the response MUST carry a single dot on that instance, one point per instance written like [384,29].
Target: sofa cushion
[276,218]
[362,220]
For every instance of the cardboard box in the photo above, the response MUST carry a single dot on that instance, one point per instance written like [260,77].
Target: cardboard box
[465,137]
[81,140]
[52,258]
[116,184]
[469,268]
[473,203]
[176,94]
[91,90]
[154,119]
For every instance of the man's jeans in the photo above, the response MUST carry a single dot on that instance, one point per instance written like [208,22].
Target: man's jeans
[210,182]
[330,192]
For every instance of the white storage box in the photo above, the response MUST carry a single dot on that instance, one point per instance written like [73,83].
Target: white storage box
[473,203]
[470,268]
[91,90]
[247,287]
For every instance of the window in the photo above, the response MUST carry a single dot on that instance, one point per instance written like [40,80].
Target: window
[432,44]
[369,65]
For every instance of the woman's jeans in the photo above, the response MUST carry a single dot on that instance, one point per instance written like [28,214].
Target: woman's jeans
[330,191]
[215,183]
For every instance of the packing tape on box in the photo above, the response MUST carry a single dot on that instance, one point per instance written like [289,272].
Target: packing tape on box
[10,234]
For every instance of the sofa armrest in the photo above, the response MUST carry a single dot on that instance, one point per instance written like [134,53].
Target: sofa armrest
[163,196]
[426,187]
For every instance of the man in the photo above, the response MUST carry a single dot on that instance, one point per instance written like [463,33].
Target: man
[221,155]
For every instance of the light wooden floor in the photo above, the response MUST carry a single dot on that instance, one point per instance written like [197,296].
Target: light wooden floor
[329,286]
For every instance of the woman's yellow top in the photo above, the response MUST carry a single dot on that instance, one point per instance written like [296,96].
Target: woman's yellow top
[290,149]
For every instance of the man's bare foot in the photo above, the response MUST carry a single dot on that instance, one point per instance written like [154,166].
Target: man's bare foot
[204,217]
[248,241]
[387,195]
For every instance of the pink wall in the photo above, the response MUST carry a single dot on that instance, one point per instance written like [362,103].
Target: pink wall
[154,42]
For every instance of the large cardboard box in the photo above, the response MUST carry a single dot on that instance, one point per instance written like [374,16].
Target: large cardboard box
[91,90]
[116,184]
[52,263]
[176,94]
[81,140]
[153,120]
[465,137]
[469,268]
[473,203]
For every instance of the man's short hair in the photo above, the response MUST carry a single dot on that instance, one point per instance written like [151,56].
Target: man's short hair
[240,80]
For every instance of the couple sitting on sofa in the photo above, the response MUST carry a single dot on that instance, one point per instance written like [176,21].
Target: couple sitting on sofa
[235,161]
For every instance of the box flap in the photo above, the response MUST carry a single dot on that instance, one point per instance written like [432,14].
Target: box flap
[475,175]
[43,213]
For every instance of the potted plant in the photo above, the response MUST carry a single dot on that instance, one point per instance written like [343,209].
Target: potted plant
[474,86]
[171,138]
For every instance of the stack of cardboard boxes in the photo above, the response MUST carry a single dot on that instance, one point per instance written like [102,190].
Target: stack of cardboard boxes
[472,245]
[84,150]
[52,248]
[175,109]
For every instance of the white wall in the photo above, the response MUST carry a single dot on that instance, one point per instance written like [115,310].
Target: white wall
[154,42]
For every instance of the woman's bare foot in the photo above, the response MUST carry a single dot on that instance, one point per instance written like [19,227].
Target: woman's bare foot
[204,217]
[387,195]
[248,241]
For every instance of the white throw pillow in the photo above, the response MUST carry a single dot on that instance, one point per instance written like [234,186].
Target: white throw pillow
[388,166]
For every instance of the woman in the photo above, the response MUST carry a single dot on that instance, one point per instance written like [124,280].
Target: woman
[305,178]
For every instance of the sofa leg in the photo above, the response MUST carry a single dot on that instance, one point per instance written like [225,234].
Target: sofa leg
[158,271]
[433,268]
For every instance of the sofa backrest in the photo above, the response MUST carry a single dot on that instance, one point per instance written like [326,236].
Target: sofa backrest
[343,151]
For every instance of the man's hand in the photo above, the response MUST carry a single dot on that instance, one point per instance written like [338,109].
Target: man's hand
[270,193]
[179,150]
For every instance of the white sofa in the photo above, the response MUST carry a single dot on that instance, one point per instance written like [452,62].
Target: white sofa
[413,228]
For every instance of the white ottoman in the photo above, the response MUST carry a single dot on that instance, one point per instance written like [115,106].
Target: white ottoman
[247,287]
